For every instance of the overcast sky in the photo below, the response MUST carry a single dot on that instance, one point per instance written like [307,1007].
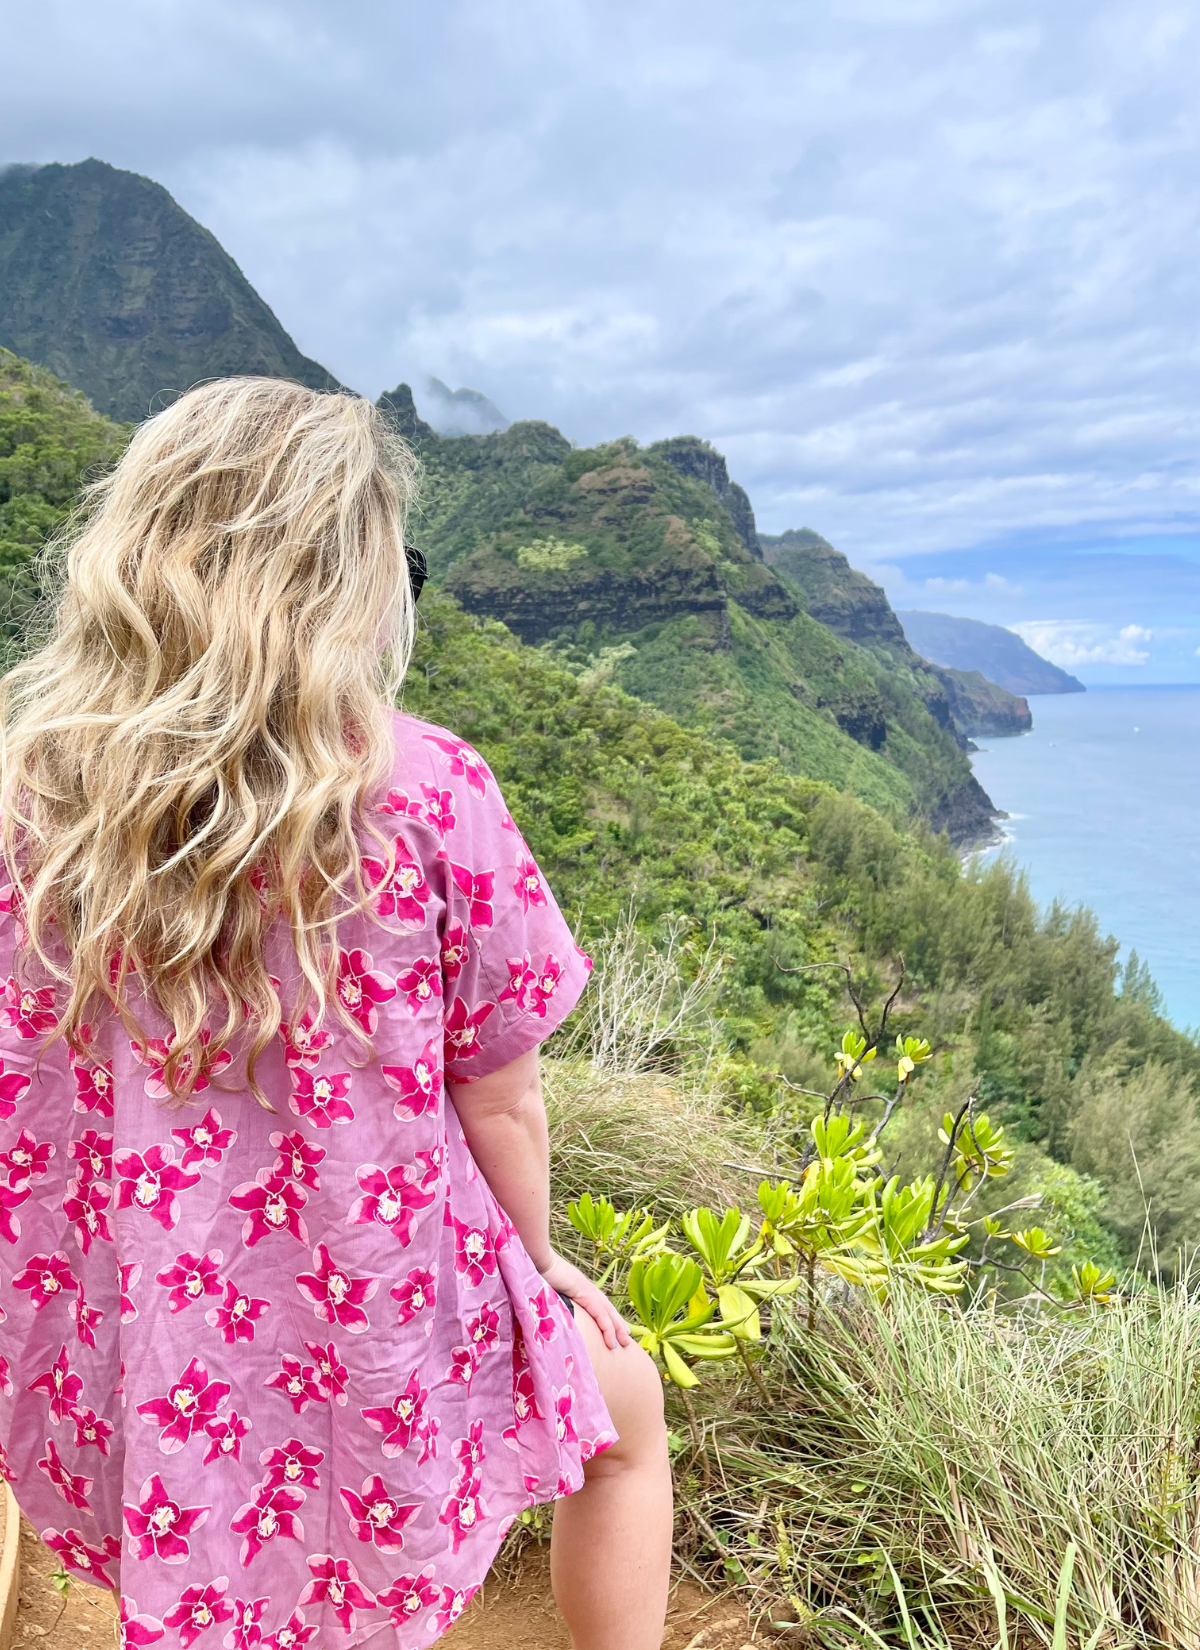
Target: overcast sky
[927,271]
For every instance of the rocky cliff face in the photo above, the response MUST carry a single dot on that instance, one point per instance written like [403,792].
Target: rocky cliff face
[980,708]
[838,595]
[109,283]
[646,563]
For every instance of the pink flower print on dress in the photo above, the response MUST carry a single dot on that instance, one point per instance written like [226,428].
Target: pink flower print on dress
[154,1054]
[6,1385]
[270,1516]
[451,1603]
[149,1181]
[464,1365]
[134,1630]
[292,1463]
[190,1277]
[477,888]
[335,1582]
[335,1295]
[246,1632]
[462,1029]
[439,809]
[461,759]
[469,1452]
[332,1374]
[87,1318]
[401,892]
[392,1198]
[46,1277]
[11,1199]
[377,1517]
[13,1085]
[237,1314]
[190,1404]
[206,1141]
[402,806]
[60,1386]
[199,1608]
[528,886]
[28,1159]
[564,1426]
[73,1489]
[298,1158]
[29,1012]
[361,988]
[225,1435]
[541,1306]
[462,1510]
[419,1085]
[93,1084]
[320,1098]
[483,1330]
[416,1293]
[270,1203]
[86,1207]
[302,1045]
[474,1251]
[546,985]
[455,951]
[297,1382]
[524,1396]
[409,1595]
[93,1152]
[78,1554]
[294,1634]
[131,1271]
[91,1431]
[420,984]
[159,1527]
[522,977]
[400,1421]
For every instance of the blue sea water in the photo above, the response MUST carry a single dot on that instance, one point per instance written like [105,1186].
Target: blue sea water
[1104,796]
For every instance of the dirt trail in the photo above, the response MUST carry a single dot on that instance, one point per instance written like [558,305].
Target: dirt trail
[520,1616]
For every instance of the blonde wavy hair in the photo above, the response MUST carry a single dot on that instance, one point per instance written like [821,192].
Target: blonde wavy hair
[188,756]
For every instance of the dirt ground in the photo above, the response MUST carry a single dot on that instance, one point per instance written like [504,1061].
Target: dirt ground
[503,1617]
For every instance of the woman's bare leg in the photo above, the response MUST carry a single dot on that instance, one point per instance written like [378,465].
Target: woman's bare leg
[610,1556]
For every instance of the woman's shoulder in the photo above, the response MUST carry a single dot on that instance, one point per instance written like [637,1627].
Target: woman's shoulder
[436,769]
[420,745]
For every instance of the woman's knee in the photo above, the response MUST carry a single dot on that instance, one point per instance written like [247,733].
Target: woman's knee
[633,1395]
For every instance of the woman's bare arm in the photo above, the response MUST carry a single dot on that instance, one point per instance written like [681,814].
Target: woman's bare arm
[504,1119]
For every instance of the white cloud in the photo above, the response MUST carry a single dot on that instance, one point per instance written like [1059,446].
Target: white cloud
[923,269]
[1071,643]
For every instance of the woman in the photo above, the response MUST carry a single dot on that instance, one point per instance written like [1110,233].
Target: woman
[285,1348]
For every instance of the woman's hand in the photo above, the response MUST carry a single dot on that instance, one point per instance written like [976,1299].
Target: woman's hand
[570,1281]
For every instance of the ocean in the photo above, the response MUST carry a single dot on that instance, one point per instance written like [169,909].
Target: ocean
[1104,798]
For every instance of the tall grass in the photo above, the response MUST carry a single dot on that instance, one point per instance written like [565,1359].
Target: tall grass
[965,1474]
[928,1472]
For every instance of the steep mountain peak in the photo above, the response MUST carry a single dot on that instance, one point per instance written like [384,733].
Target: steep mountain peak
[702,462]
[838,595]
[106,280]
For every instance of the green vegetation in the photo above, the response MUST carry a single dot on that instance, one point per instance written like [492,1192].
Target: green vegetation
[647,559]
[51,440]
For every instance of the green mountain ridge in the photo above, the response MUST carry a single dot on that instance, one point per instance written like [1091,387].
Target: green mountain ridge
[645,563]
[109,283]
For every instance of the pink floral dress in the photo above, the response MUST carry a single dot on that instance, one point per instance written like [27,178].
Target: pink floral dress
[286,1378]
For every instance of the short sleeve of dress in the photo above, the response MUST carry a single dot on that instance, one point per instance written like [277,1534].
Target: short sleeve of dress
[511,971]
